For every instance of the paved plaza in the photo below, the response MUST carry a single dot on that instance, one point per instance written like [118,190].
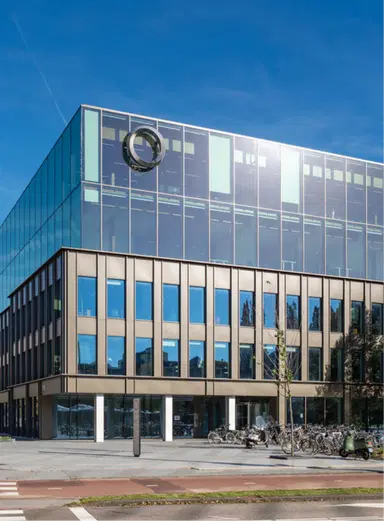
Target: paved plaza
[59,459]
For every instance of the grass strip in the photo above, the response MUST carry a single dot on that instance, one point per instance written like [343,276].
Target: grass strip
[249,495]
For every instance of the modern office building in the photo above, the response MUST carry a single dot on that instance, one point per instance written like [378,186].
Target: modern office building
[156,259]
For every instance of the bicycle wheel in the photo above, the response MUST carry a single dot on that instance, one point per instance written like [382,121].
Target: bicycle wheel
[230,437]
[307,446]
[328,448]
[286,446]
[213,437]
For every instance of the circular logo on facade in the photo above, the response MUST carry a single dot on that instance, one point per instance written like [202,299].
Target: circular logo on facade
[155,141]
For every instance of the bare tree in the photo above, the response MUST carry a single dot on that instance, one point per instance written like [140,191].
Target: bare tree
[283,367]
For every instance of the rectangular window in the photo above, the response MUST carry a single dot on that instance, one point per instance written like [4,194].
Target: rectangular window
[375,241]
[290,179]
[91,145]
[270,310]
[144,302]
[171,303]
[115,223]
[357,316]
[335,248]
[171,358]
[116,298]
[143,222]
[314,314]
[222,360]
[293,312]
[144,357]
[271,362]
[196,233]
[170,224]
[196,305]
[220,166]
[356,250]
[86,296]
[196,359]
[247,306]
[90,219]
[377,319]
[86,354]
[315,364]
[245,236]
[314,245]
[221,222]
[336,365]
[222,307]
[247,361]
[269,240]
[116,355]
[292,233]
[336,310]
[294,361]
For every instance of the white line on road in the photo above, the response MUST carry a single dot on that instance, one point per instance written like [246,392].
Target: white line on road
[7,483]
[82,514]
[7,512]
[13,518]
[8,488]
[221,517]
[9,494]
[363,505]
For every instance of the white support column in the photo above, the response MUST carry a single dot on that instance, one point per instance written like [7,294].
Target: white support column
[168,418]
[99,418]
[230,412]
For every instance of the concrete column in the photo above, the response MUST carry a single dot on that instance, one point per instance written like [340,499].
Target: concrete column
[230,412]
[99,418]
[168,418]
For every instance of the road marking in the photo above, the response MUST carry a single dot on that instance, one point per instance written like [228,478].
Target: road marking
[55,488]
[81,514]
[8,488]
[13,518]
[249,483]
[365,518]
[11,515]
[9,494]
[363,505]
[221,517]
[151,486]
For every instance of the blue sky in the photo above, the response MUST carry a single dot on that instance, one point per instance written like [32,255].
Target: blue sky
[302,72]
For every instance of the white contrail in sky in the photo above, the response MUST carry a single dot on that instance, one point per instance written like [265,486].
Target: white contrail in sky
[45,81]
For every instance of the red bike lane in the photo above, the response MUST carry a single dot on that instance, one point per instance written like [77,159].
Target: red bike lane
[208,483]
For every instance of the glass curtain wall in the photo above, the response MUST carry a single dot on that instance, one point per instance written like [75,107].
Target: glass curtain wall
[215,196]
[47,214]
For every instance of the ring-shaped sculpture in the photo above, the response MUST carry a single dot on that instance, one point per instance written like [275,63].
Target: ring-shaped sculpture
[156,142]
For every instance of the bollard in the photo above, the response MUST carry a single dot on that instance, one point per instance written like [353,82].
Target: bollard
[136,428]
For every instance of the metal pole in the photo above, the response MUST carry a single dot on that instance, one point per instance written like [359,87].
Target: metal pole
[136,428]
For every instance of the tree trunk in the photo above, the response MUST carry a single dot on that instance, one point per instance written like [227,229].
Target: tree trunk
[291,420]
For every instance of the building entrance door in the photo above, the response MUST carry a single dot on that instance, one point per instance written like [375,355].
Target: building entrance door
[247,412]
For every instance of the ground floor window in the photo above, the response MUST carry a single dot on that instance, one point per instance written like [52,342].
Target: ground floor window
[74,416]
[253,411]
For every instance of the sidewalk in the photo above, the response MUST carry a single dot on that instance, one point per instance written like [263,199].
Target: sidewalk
[77,489]
[113,459]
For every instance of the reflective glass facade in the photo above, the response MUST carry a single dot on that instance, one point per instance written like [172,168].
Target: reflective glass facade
[215,197]
[47,215]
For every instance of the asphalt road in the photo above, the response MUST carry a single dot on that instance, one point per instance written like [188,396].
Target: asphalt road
[349,510]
